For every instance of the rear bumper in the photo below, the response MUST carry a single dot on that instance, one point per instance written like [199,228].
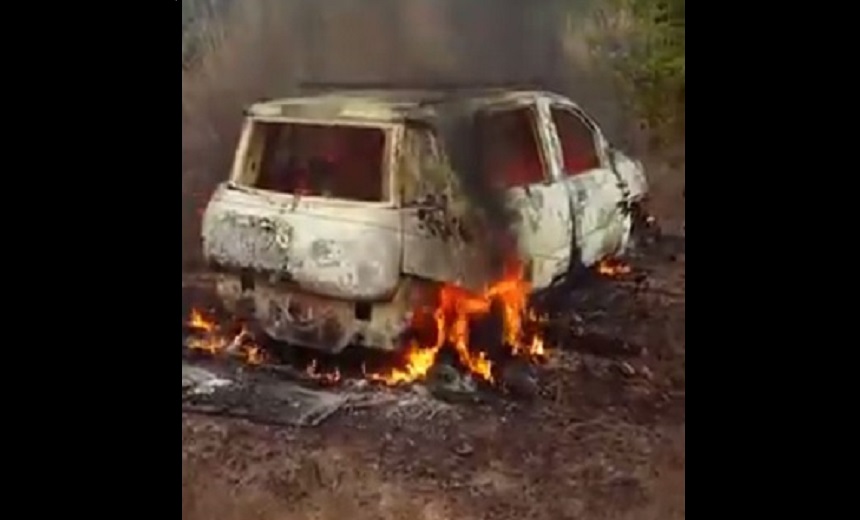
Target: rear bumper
[288,314]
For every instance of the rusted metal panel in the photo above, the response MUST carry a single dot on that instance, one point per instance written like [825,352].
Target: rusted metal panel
[601,224]
[434,249]
[386,106]
[550,144]
[633,174]
[332,248]
[439,241]
[545,229]
[289,314]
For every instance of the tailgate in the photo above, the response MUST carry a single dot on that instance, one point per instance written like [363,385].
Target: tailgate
[341,249]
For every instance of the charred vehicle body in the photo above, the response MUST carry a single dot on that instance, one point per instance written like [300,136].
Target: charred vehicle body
[345,211]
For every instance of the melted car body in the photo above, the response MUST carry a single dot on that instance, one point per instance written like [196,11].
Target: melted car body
[345,211]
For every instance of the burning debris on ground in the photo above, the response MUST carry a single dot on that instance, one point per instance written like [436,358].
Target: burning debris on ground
[613,267]
[473,332]
[466,347]
[211,338]
[607,411]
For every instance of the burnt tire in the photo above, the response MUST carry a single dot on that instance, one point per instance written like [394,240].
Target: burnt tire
[488,331]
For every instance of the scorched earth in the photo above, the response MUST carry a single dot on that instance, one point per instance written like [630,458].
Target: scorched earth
[602,435]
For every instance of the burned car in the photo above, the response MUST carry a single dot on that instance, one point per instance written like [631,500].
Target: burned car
[345,211]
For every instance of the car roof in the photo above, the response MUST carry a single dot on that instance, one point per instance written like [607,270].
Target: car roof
[394,105]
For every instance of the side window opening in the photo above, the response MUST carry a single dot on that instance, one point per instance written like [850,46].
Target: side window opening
[509,148]
[338,161]
[578,145]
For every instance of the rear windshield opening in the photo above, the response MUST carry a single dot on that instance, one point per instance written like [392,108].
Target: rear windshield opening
[344,162]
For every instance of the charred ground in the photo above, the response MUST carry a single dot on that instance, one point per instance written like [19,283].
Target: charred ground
[603,437]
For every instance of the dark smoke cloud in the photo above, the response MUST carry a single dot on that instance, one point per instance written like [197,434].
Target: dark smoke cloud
[237,51]
[404,40]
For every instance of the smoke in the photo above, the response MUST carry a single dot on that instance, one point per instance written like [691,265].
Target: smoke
[238,51]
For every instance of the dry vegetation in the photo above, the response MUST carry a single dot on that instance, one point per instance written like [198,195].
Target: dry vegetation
[637,49]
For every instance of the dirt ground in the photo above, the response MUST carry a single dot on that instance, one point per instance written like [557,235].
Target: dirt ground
[605,437]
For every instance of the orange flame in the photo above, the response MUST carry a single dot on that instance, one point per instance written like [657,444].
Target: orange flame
[418,363]
[199,322]
[456,309]
[448,324]
[323,377]
[612,267]
[212,340]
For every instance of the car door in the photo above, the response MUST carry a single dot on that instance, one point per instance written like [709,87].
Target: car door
[435,240]
[598,194]
[514,154]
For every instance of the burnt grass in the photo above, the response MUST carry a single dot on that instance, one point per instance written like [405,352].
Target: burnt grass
[602,437]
